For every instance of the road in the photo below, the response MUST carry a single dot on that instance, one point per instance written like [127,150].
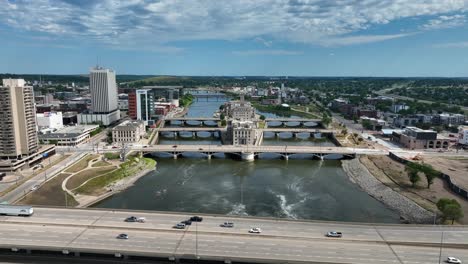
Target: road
[281,240]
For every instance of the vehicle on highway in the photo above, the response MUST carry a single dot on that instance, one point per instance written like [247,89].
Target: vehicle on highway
[334,234]
[187,222]
[179,226]
[453,260]
[16,210]
[135,219]
[255,230]
[35,187]
[196,218]
[122,236]
[227,224]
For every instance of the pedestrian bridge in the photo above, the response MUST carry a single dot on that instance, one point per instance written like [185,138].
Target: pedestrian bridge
[77,234]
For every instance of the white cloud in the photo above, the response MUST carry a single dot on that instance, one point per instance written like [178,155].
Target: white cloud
[139,24]
[444,22]
[266,52]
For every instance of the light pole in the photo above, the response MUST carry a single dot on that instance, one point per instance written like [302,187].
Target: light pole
[441,241]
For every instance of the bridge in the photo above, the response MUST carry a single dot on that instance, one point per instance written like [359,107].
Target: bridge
[252,152]
[75,233]
[283,121]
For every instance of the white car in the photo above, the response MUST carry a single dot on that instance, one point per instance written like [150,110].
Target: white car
[255,230]
[453,260]
[35,187]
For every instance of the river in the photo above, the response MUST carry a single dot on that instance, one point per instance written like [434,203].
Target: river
[296,189]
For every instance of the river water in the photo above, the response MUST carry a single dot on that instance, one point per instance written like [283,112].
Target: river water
[297,189]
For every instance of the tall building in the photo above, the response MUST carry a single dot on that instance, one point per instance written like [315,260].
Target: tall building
[18,136]
[141,105]
[104,99]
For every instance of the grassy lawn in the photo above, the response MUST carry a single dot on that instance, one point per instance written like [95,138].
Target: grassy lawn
[50,193]
[100,163]
[112,156]
[81,177]
[82,164]
[97,185]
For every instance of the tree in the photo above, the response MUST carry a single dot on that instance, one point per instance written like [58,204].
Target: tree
[221,107]
[109,137]
[222,116]
[450,209]
[427,170]
[413,175]
[262,117]
[326,120]
[344,132]
[223,122]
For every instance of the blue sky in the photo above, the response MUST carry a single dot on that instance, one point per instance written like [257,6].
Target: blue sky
[236,37]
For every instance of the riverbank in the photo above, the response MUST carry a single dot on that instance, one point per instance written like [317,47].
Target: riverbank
[409,210]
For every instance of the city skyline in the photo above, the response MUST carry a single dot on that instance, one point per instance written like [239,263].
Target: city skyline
[273,38]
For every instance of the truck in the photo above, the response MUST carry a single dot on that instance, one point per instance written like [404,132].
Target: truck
[334,234]
[16,210]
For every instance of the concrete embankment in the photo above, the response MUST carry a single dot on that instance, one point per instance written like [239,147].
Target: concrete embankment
[407,209]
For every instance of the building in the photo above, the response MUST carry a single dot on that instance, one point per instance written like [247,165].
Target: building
[416,138]
[123,101]
[372,123]
[404,121]
[68,136]
[141,106]
[104,101]
[239,110]
[448,119]
[463,135]
[243,132]
[398,107]
[52,120]
[70,118]
[18,136]
[128,132]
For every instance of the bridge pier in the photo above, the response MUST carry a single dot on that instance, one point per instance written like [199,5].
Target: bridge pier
[208,156]
[175,156]
[285,156]
[248,156]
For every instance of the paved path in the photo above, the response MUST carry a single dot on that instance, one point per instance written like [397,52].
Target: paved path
[280,241]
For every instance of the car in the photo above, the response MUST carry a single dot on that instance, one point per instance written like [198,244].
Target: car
[453,260]
[196,218]
[35,187]
[187,222]
[122,236]
[227,224]
[175,146]
[114,147]
[179,226]
[255,230]
[135,219]
[334,234]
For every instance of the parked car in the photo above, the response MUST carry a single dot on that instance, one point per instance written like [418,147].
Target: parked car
[453,260]
[227,224]
[135,219]
[179,226]
[255,230]
[122,236]
[334,234]
[196,219]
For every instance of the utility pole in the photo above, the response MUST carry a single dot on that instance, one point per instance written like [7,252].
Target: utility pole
[441,242]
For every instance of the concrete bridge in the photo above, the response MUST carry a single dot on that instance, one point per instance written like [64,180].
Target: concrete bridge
[78,234]
[185,121]
[250,153]
[301,121]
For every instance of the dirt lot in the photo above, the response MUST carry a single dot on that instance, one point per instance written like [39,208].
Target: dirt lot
[457,169]
[50,193]
[393,174]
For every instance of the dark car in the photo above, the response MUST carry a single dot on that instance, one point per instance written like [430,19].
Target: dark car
[187,222]
[122,236]
[196,218]
[227,224]
[131,219]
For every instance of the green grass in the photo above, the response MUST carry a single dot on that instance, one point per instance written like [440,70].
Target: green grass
[100,163]
[112,156]
[50,193]
[97,185]
[82,164]
[78,179]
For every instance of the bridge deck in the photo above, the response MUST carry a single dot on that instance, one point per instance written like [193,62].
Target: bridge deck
[272,129]
[84,230]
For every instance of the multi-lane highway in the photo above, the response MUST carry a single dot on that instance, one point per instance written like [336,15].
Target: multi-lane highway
[280,241]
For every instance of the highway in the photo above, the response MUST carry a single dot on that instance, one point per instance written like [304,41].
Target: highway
[87,230]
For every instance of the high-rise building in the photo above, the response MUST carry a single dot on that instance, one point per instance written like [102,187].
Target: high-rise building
[103,88]
[141,105]
[104,99]
[18,135]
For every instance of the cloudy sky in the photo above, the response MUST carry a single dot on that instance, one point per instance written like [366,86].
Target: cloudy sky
[236,37]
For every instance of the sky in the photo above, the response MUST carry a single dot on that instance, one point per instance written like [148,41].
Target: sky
[424,38]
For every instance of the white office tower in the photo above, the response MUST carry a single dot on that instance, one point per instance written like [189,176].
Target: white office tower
[18,135]
[104,98]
